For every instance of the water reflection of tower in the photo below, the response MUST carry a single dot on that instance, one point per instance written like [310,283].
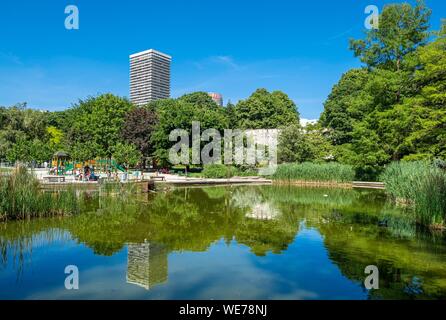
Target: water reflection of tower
[146,264]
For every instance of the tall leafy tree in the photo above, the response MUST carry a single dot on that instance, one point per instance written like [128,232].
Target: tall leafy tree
[21,131]
[178,114]
[265,110]
[402,28]
[98,121]
[138,127]
[348,102]
[394,108]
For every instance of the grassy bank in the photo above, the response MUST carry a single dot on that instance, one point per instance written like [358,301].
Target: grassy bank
[314,173]
[21,197]
[421,185]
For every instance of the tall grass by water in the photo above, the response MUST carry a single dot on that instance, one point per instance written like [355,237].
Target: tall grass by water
[21,197]
[422,185]
[327,172]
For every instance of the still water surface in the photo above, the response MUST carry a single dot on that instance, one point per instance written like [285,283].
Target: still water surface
[252,242]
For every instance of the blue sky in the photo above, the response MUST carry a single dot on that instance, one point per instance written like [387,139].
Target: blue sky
[231,47]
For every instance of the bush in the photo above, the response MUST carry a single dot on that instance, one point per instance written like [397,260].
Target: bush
[217,171]
[307,171]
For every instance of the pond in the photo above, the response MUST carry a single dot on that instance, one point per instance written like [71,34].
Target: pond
[245,242]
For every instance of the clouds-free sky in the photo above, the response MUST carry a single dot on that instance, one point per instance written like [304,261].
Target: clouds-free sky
[230,46]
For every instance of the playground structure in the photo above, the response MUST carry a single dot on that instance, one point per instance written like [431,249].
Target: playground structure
[61,164]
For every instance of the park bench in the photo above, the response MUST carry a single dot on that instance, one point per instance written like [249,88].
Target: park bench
[54,179]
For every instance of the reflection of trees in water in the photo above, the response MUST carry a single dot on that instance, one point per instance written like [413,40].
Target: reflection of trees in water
[184,219]
[358,228]
[19,238]
[352,247]
[146,264]
[361,228]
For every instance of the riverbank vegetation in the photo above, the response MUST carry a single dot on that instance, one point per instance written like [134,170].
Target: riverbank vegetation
[21,198]
[307,171]
[421,185]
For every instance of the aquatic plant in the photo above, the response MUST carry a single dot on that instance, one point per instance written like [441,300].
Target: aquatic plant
[422,185]
[21,197]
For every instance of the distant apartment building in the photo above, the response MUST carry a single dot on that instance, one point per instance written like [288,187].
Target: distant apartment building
[149,76]
[218,98]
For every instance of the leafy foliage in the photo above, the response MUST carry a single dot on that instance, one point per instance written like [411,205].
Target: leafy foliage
[138,127]
[265,110]
[402,28]
[216,171]
[98,121]
[126,154]
[395,108]
[297,144]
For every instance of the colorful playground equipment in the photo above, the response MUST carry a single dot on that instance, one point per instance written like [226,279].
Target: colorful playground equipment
[62,165]
[58,162]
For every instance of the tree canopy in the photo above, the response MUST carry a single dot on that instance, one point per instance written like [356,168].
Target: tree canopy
[98,121]
[402,28]
[265,110]
[395,107]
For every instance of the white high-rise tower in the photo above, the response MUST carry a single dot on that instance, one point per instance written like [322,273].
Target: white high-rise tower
[149,76]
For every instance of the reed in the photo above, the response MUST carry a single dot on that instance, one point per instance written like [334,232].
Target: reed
[421,185]
[21,197]
[325,172]
[430,200]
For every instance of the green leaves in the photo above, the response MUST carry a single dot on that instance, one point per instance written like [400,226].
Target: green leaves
[98,122]
[264,110]
[396,108]
[179,113]
[297,144]
[402,28]
[126,154]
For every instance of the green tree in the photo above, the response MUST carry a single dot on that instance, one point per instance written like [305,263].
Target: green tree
[402,28]
[126,154]
[98,121]
[265,110]
[178,114]
[395,109]
[19,128]
[83,151]
[297,144]
[55,137]
[199,99]
[348,102]
[138,127]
